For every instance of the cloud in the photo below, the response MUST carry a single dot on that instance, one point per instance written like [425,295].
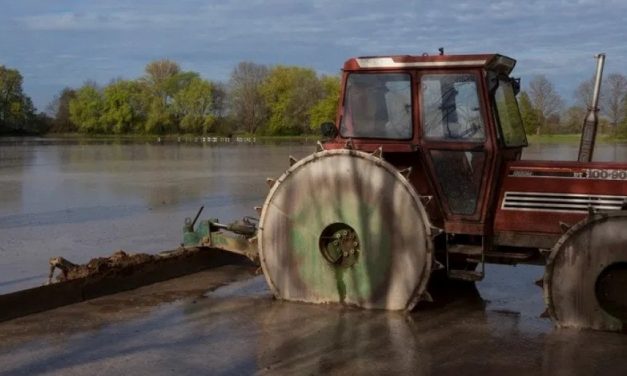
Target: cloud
[74,21]
[89,39]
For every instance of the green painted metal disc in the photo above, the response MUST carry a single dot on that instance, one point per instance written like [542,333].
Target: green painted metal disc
[345,226]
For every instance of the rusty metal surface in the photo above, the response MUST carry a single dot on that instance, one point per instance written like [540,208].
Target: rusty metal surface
[572,291]
[392,263]
[570,186]
[415,62]
[232,243]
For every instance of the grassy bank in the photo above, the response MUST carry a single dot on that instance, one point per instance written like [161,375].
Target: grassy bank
[181,138]
[573,138]
[243,137]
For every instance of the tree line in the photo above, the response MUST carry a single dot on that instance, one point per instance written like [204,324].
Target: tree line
[544,111]
[17,113]
[278,100]
[257,99]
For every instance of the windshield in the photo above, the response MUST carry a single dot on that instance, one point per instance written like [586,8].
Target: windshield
[512,130]
[377,106]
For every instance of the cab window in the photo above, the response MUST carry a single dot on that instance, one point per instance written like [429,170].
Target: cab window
[450,108]
[377,106]
[510,122]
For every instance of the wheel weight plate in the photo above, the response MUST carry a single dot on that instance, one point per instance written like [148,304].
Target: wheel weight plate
[343,226]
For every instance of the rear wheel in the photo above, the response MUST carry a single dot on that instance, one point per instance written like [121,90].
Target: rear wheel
[344,226]
[586,275]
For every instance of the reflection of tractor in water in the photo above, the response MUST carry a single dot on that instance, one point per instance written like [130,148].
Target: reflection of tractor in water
[421,172]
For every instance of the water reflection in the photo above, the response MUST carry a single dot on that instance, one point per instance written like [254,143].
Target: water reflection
[305,339]
[581,352]
[86,199]
[240,329]
[603,152]
[60,177]
[13,161]
[459,333]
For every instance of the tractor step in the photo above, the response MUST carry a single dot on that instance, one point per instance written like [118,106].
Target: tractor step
[465,249]
[465,275]
[511,258]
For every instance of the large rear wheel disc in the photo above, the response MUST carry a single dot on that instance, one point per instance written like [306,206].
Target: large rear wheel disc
[344,226]
[585,282]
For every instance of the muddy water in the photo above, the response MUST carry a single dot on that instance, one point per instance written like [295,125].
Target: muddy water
[568,152]
[81,199]
[85,199]
[178,328]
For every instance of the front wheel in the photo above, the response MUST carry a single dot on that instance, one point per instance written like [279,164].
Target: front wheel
[344,226]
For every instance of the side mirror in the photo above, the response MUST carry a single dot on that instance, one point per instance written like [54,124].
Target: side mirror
[493,82]
[516,85]
[328,130]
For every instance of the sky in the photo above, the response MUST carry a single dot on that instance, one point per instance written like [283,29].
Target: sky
[62,43]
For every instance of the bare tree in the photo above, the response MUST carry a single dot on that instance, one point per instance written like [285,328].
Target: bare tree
[219,97]
[615,88]
[59,109]
[583,93]
[160,70]
[247,104]
[158,78]
[544,98]
[573,118]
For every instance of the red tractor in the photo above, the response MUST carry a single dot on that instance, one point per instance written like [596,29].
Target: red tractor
[422,171]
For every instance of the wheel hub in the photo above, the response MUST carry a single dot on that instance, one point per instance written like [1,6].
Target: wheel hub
[610,291]
[339,245]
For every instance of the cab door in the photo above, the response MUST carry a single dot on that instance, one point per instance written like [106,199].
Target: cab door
[456,140]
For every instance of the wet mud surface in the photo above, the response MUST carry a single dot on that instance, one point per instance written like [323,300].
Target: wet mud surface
[224,321]
[104,265]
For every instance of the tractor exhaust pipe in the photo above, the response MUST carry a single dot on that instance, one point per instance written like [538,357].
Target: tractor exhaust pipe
[589,130]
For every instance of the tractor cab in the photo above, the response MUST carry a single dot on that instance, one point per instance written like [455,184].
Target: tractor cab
[453,119]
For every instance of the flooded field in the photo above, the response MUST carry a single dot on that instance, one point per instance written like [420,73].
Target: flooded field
[81,200]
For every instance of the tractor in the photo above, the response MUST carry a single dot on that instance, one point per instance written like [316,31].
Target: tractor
[421,173]
[420,176]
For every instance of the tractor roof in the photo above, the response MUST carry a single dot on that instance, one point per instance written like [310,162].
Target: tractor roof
[488,61]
